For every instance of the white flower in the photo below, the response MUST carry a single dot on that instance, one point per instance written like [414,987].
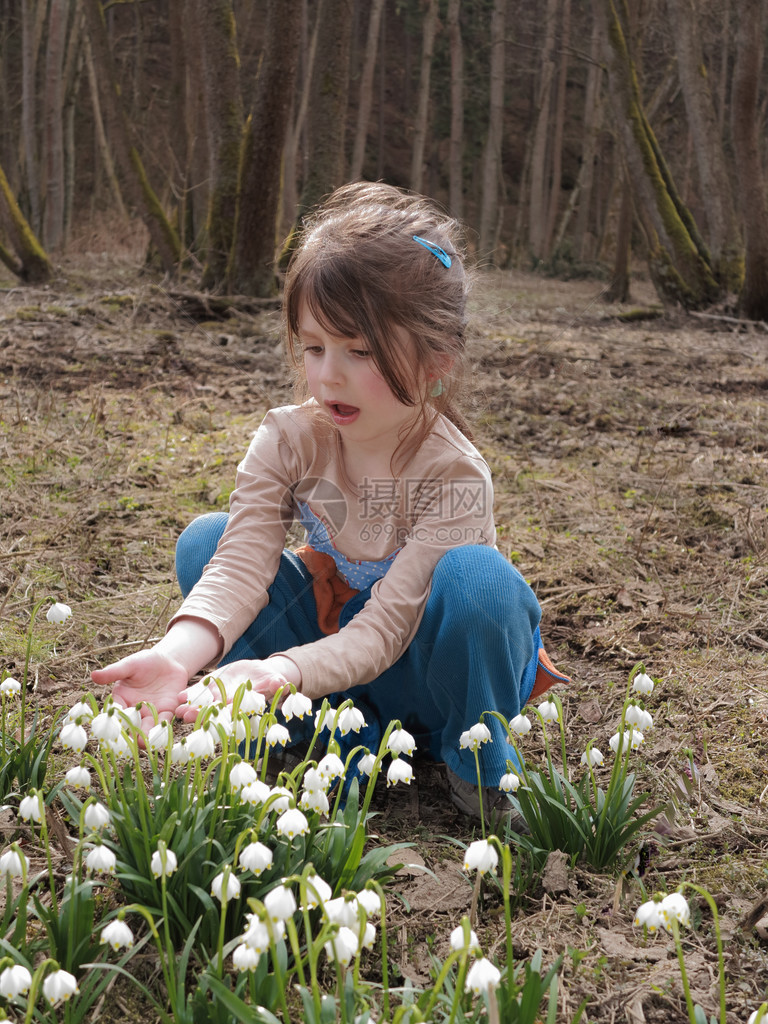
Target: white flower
[232,890]
[458,942]
[179,752]
[258,934]
[79,711]
[343,946]
[15,981]
[199,695]
[119,746]
[482,976]
[242,774]
[252,702]
[548,711]
[200,743]
[675,907]
[399,771]
[255,792]
[314,800]
[245,958]
[106,726]
[13,863]
[163,862]
[277,734]
[401,742]
[314,780]
[758,1015]
[96,816]
[474,737]
[368,937]
[642,684]
[331,767]
[370,901]
[29,808]
[509,783]
[292,823]
[130,717]
[296,705]
[635,715]
[593,757]
[117,934]
[325,719]
[481,855]
[318,891]
[283,801]
[343,910]
[73,737]
[635,739]
[367,763]
[158,736]
[351,720]
[256,857]
[58,612]
[101,860]
[520,724]
[60,985]
[648,916]
[10,686]
[280,903]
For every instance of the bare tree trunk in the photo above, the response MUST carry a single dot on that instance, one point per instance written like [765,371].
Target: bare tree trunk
[101,137]
[716,194]
[224,116]
[291,175]
[366,89]
[745,122]
[28,260]
[161,232]
[537,215]
[252,271]
[456,144]
[422,110]
[31,29]
[618,289]
[196,126]
[677,258]
[53,217]
[489,210]
[584,244]
[177,125]
[559,130]
[73,67]
[328,104]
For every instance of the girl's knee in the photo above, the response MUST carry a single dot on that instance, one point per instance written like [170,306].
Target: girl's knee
[196,546]
[480,580]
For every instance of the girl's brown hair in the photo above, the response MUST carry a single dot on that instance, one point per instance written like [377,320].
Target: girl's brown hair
[361,274]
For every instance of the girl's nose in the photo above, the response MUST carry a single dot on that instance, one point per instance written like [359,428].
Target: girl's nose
[331,372]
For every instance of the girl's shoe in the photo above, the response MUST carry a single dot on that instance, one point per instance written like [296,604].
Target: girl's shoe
[466,797]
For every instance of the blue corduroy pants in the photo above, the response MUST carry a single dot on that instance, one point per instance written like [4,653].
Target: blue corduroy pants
[475,649]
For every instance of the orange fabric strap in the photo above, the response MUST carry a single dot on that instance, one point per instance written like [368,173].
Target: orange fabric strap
[330,590]
[546,675]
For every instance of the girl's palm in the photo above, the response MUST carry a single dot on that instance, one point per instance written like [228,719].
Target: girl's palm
[146,676]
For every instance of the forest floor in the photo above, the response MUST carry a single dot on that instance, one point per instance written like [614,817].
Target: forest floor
[631,465]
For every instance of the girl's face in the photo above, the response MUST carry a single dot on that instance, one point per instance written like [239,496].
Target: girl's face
[347,385]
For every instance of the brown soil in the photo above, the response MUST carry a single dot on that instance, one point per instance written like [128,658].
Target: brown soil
[632,491]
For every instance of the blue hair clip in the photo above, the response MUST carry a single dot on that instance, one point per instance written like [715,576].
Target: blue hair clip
[441,254]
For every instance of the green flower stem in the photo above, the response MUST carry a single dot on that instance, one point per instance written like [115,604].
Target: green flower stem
[293,936]
[170,978]
[223,921]
[313,949]
[683,972]
[47,848]
[440,981]
[475,898]
[281,982]
[40,971]
[166,952]
[479,789]
[561,724]
[719,940]
[383,929]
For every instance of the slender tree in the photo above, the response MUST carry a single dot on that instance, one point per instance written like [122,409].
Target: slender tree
[252,268]
[53,221]
[25,257]
[422,111]
[745,127]
[163,235]
[537,215]
[489,210]
[456,144]
[365,99]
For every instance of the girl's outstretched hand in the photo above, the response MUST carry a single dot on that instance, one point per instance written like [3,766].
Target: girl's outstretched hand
[265,677]
[151,676]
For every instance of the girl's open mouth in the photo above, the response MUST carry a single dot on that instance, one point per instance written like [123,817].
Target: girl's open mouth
[341,413]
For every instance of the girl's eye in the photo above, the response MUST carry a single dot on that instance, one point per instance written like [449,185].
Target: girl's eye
[312,350]
[364,353]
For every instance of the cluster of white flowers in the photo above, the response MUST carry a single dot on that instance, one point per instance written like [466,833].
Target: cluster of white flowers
[655,914]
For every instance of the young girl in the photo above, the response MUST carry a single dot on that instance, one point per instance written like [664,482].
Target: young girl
[399,598]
